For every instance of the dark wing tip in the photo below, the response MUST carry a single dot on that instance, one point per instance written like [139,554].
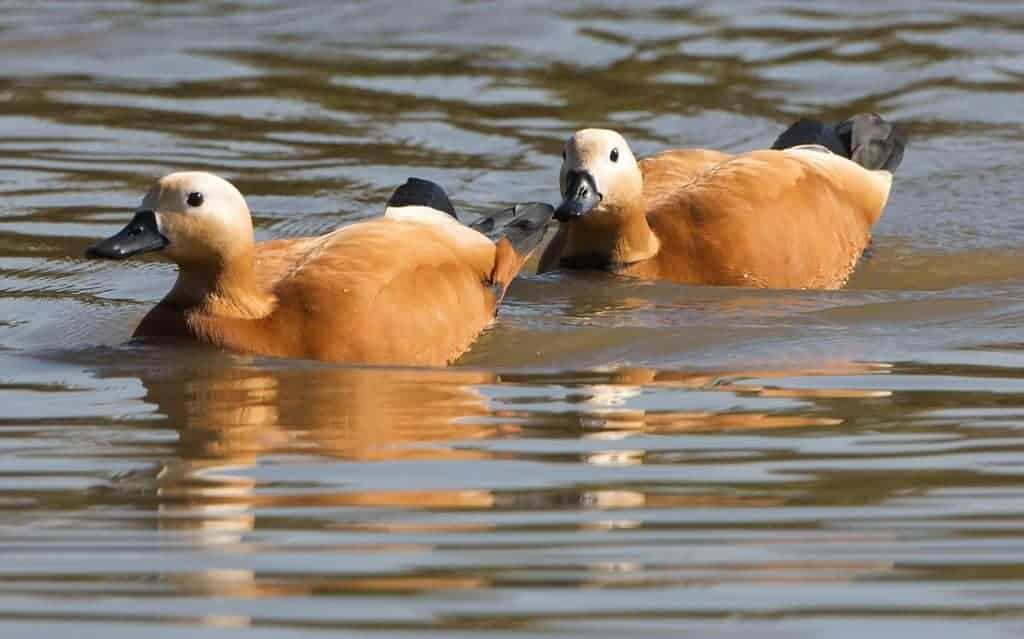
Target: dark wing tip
[875,143]
[419,192]
[523,224]
[809,131]
[866,138]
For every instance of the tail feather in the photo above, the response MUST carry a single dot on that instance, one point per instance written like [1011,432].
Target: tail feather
[516,231]
[523,225]
[873,142]
[866,138]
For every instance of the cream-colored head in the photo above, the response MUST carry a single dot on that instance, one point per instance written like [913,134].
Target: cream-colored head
[204,217]
[196,219]
[600,176]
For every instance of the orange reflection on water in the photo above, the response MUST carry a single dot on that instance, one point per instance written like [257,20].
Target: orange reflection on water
[355,414]
[230,418]
[607,414]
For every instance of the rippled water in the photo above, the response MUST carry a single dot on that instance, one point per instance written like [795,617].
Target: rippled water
[612,458]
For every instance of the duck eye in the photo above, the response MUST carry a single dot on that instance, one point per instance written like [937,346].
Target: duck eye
[195,198]
[614,155]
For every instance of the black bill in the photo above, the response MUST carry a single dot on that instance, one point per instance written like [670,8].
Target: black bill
[140,236]
[581,195]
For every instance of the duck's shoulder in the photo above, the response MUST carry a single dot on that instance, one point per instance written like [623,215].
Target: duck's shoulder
[769,172]
[276,258]
[765,180]
[672,170]
[668,175]
[400,288]
[368,254]
[681,163]
[765,184]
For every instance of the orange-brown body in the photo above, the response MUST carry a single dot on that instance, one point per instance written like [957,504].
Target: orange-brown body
[413,287]
[797,218]
[377,292]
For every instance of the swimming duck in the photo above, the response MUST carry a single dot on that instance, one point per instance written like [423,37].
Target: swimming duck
[412,287]
[795,216]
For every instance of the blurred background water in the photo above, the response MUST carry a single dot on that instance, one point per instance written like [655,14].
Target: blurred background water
[613,458]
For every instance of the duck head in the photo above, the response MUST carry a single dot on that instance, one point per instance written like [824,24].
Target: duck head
[192,218]
[600,177]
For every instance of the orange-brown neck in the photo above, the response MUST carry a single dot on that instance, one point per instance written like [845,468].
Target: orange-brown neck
[619,236]
[222,288]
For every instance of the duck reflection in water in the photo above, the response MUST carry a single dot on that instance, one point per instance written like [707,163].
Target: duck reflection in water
[232,420]
[236,421]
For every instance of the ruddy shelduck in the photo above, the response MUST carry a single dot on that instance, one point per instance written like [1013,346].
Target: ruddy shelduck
[412,287]
[797,217]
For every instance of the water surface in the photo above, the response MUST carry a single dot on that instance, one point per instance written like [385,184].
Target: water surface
[612,457]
